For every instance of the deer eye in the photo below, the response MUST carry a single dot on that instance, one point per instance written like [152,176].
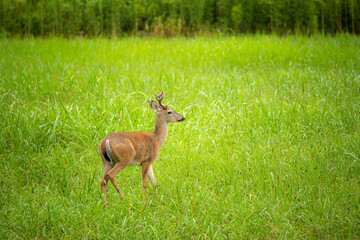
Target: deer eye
[169,113]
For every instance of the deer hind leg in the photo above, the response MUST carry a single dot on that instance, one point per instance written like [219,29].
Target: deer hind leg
[105,180]
[122,155]
[112,174]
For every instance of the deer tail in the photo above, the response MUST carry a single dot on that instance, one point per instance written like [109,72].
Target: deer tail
[108,151]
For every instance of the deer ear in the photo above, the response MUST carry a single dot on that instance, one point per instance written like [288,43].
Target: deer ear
[153,105]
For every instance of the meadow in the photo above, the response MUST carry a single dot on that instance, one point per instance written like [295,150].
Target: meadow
[270,147]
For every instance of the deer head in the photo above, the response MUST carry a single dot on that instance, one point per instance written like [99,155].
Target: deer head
[163,111]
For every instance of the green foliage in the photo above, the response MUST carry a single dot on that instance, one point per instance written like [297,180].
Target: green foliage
[269,148]
[237,15]
[177,17]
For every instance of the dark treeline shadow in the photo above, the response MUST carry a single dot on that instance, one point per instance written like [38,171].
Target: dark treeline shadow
[176,17]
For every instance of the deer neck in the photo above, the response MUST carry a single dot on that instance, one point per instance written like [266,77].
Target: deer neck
[161,130]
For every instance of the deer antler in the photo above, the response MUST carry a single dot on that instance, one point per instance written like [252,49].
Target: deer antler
[160,98]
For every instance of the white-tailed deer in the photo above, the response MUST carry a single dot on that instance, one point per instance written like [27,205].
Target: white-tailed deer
[121,149]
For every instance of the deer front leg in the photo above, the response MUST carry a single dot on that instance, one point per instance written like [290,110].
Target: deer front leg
[144,176]
[151,177]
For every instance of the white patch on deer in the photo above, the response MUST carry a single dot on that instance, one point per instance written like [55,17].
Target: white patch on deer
[108,151]
[151,174]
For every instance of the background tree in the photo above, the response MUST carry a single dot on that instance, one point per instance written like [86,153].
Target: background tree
[175,17]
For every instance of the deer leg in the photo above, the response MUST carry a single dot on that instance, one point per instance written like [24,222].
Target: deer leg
[122,155]
[151,177]
[144,175]
[104,184]
[105,180]
[112,174]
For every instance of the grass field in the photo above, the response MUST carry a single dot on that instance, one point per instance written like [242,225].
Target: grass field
[270,147]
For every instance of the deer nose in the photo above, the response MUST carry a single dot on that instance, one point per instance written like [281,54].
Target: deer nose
[181,120]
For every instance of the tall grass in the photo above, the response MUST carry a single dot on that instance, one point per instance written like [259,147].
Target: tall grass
[269,148]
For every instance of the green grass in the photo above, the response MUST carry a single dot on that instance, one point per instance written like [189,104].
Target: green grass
[270,147]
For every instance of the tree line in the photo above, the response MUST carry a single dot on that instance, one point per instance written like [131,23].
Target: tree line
[176,17]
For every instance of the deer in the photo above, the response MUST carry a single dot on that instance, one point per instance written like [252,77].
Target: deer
[119,150]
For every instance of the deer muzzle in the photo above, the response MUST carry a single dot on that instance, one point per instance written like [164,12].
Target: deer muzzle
[182,119]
